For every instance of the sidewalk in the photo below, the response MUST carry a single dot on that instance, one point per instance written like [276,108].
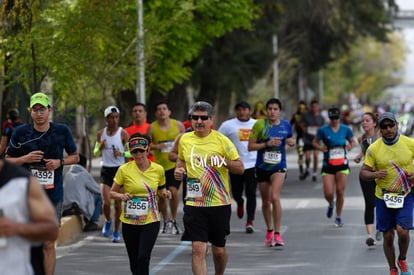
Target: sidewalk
[72,226]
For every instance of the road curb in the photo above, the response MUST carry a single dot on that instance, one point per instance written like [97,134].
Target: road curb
[71,227]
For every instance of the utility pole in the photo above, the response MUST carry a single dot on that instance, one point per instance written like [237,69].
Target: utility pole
[140,85]
[275,69]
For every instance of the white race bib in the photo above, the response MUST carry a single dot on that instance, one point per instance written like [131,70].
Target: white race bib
[44,177]
[272,157]
[194,188]
[337,153]
[168,146]
[312,130]
[136,207]
[393,200]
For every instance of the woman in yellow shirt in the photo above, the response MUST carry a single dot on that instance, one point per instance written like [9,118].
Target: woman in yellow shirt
[141,180]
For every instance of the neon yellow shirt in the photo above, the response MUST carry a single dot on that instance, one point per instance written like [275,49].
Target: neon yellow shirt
[206,171]
[167,137]
[143,186]
[379,155]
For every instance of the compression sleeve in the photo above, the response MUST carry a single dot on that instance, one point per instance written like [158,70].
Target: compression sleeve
[127,153]
[96,151]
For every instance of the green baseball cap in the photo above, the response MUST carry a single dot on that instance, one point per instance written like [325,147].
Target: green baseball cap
[39,98]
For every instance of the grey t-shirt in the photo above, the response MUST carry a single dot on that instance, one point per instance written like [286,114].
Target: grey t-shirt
[80,188]
[312,124]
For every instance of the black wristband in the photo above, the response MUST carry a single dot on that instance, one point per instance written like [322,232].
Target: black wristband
[62,162]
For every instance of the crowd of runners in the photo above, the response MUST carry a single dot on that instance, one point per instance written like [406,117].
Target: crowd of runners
[146,164]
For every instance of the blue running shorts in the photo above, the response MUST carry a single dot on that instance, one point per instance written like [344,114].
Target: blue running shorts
[388,218]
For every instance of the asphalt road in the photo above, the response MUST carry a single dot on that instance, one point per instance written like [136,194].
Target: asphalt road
[313,244]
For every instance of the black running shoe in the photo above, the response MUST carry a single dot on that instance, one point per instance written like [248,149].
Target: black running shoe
[304,176]
[370,241]
[329,211]
[164,228]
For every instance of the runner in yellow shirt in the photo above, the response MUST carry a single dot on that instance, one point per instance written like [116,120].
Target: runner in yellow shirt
[142,180]
[163,132]
[389,161]
[205,158]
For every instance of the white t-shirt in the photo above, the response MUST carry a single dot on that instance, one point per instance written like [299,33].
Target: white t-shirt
[15,256]
[238,132]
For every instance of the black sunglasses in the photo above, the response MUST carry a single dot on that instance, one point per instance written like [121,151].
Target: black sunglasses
[195,117]
[385,126]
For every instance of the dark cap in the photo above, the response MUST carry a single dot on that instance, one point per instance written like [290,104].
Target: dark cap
[334,113]
[386,115]
[242,104]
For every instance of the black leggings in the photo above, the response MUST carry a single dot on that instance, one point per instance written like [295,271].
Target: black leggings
[139,241]
[36,257]
[248,182]
[368,190]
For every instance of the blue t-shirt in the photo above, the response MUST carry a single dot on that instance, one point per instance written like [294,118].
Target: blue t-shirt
[57,138]
[271,158]
[335,141]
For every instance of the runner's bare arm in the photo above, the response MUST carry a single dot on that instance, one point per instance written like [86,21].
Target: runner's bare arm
[180,126]
[173,154]
[43,225]
[369,173]
[117,194]
[3,144]
[53,164]
[235,166]
[317,145]
[149,133]
[34,156]
[179,170]
[124,136]
[254,146]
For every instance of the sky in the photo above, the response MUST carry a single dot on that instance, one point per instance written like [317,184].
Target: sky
[408,34]
[405,4]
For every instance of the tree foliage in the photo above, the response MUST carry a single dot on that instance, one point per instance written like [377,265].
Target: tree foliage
[315,32]
[88,46]
[84,51]
[311,34]
[367,70]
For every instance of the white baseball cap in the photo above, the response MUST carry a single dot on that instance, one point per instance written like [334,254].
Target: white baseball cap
[111,109]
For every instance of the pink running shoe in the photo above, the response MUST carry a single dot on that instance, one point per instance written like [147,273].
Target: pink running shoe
[405,269]
[269,237]
[277,240]
[394,271]
[240,210]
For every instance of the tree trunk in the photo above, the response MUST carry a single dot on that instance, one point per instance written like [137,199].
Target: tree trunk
[177,101]
[221,107]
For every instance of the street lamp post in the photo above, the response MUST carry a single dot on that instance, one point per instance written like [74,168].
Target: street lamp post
[140,85]
[275,69]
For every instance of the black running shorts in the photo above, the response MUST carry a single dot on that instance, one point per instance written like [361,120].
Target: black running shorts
[207,224]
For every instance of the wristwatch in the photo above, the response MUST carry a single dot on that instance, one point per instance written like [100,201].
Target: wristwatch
[62,162]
